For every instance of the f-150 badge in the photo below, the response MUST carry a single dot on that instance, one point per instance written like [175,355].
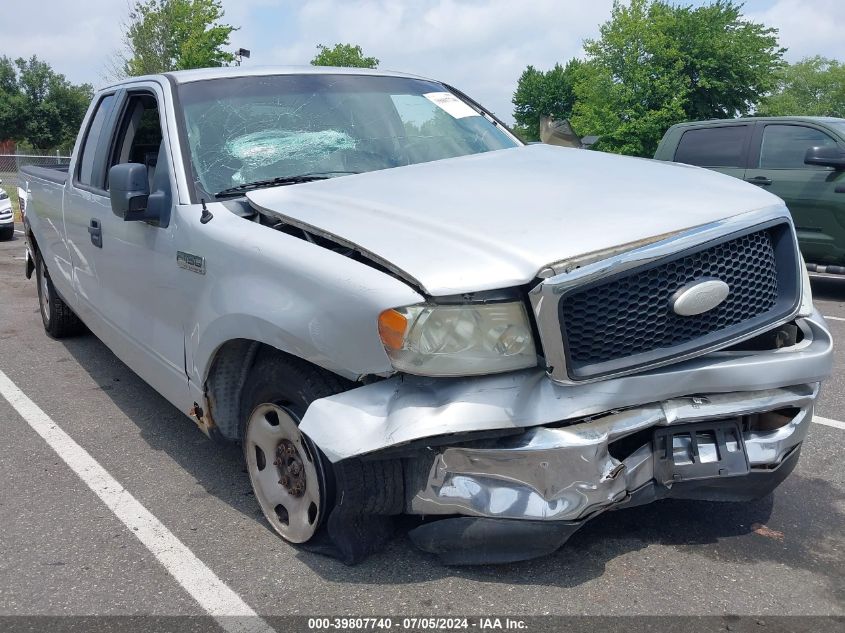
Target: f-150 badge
[194,263]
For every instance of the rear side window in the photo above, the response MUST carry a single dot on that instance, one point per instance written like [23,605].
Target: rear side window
[722,146]
[92,139]
[784,146]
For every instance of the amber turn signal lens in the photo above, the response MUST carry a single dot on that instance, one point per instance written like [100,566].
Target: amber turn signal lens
[391,329]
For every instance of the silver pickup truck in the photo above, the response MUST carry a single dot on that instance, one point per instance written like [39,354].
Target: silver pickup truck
[396,307]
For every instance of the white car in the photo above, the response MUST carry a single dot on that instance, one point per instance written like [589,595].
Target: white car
[7,216]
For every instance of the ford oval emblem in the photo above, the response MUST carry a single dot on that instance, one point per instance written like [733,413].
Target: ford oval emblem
[699,296]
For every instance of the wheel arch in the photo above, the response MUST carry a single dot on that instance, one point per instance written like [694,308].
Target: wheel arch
[227,375]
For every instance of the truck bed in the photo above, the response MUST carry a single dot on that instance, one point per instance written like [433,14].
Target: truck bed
[53,173]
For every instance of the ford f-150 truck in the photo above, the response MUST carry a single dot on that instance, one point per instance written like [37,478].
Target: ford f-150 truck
[396,307]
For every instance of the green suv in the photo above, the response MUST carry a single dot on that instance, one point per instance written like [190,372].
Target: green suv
[800,159]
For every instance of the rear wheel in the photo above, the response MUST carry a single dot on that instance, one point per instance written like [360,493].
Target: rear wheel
[289,475]
[59,320]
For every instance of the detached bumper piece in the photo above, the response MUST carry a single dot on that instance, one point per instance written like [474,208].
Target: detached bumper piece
[522,496]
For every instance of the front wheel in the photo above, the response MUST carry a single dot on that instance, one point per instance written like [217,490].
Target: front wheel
[290,477]
[283,469]
[7,232]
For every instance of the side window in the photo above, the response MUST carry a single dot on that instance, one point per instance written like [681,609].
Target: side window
[92,139]
[722,146]
[784,146]
[139,134]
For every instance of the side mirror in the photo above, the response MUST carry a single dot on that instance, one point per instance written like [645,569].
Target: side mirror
[826,156]
[130,191]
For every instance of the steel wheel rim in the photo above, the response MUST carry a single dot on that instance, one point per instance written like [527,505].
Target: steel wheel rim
[294,517]
[45,294]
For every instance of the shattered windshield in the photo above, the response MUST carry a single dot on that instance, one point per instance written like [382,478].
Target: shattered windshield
[246,129]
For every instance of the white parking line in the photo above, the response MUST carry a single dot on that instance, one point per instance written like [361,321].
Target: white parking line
[828,422]
[832,318]
[18,232]
[212,594]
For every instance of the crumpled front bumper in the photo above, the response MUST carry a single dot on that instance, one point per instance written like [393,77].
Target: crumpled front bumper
[510,466]
[523,496]
[568,473]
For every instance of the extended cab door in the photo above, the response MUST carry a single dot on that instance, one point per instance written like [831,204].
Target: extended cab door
[721,147]
[809,191]
[139,309]
[85,200]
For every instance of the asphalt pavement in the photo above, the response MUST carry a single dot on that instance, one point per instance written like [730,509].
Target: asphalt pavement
[64,551]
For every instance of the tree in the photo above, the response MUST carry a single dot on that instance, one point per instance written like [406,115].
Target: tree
[165,35]
[12,103]
[343,55]
[655,64]
[540,93]
[38,106]
[814,86]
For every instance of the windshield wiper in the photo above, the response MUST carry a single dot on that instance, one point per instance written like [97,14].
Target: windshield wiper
[277,182]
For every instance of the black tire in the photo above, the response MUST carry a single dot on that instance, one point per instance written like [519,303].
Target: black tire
[292,384]
[58,319]
[7,233]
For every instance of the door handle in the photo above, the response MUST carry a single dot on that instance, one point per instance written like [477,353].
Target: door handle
[96,233]
[759,180]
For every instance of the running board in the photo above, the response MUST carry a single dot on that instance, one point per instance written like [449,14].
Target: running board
[826,269]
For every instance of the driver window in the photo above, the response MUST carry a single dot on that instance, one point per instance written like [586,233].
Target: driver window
[139,134]
[784,146]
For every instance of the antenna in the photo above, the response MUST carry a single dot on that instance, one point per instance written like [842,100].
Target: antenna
[206,216]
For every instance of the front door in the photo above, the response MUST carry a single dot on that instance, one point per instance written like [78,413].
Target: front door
[136,261]
[809,191]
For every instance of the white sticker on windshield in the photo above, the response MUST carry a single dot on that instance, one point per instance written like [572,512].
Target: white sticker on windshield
[451,104]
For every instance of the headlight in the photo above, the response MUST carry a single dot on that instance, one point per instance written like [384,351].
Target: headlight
[806,308]
[4,195]
[458,340]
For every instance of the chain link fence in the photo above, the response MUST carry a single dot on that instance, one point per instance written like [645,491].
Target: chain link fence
[10,164]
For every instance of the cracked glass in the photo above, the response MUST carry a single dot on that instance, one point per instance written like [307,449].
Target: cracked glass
[245,129]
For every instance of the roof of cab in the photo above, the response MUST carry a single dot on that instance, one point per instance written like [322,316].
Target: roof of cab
[203,74]
[715,122]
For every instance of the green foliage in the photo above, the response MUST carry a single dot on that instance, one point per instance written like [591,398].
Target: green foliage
[165,35]
[728,62]
[815,86]
[656,64]
[632,88]
[39,107]
[343,55]
[541,93]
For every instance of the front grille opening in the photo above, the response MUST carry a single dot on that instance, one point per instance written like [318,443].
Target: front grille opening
[786,335]
[628,320]
[770,420]
[624,447]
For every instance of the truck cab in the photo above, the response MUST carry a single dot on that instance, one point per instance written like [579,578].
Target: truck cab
[799,159]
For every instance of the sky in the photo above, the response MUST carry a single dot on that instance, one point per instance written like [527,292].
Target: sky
[479,46]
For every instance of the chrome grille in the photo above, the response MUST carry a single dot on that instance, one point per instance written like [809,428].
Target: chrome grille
[613,319]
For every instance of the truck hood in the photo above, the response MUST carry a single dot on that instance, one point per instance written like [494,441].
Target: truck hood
[494,220]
